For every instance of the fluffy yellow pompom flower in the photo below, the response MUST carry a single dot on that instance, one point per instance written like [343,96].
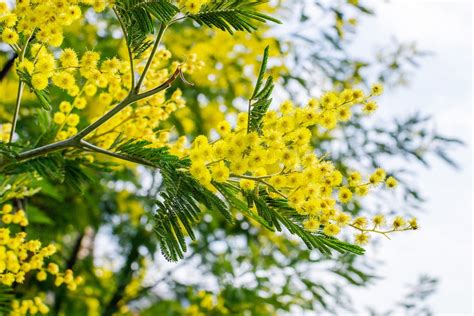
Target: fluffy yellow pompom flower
[220,173]
[370,107]
[377,89]
[191,6]
[331,229]
[391,182]
[9,36]
[378,220]
[362,239]
[64,80]
[398,222]
[311,224]
[72,120]
[65,107]
[39,81]
[345,195]
[59,118]
[247,185]
[68,58]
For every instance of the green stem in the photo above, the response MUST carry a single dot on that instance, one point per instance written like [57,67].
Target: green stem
[21,87]
[130,54]
[19,96]
[159,37]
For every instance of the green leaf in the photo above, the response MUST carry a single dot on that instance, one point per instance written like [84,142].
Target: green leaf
[180,209]
[50,167]
[138,18]
[37,216]
[231,15]
[282,215]
[6,298]
[261,97]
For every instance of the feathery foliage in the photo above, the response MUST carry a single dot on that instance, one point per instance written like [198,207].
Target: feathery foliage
[231,15]
[180,209]
[261,97]
[138,18]
[6,297]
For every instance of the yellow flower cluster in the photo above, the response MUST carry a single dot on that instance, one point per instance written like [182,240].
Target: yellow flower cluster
[104,85]
[142,121]
[45,18]
[379,225]
[280,159]
[19,256]
[29,307]
[87,79]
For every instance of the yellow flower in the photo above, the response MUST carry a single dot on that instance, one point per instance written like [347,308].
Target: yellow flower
[331,229]
[398,222]
[391,182]
[377,89]
[68,58]
[223,128]
[413,223]
[247,185]
[345,195]
[378,220]
[362,238]
[59,118]
[72,120]
[65,107]
[370,107]
[311,224]
[9,36]
[360,222]
[39,81]
[220,173]
[64,80]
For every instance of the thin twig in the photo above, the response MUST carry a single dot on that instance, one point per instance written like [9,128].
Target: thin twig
[158,39]
[130,54]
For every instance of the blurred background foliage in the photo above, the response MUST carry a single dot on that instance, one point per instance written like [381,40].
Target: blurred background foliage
[102,223]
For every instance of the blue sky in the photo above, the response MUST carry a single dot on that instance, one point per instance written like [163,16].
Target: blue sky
[442,87]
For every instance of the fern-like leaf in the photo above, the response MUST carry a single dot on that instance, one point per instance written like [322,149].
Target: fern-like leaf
[261,97]
[231,15]
[138,18]
[179,210]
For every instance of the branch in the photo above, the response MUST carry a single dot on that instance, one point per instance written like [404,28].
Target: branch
[75,141]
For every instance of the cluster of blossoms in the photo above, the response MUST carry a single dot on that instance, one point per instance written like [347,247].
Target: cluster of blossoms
[89,81]
[19,256]
[281,160]
[143,120]
[86,79]
[45,18]
[29,307]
